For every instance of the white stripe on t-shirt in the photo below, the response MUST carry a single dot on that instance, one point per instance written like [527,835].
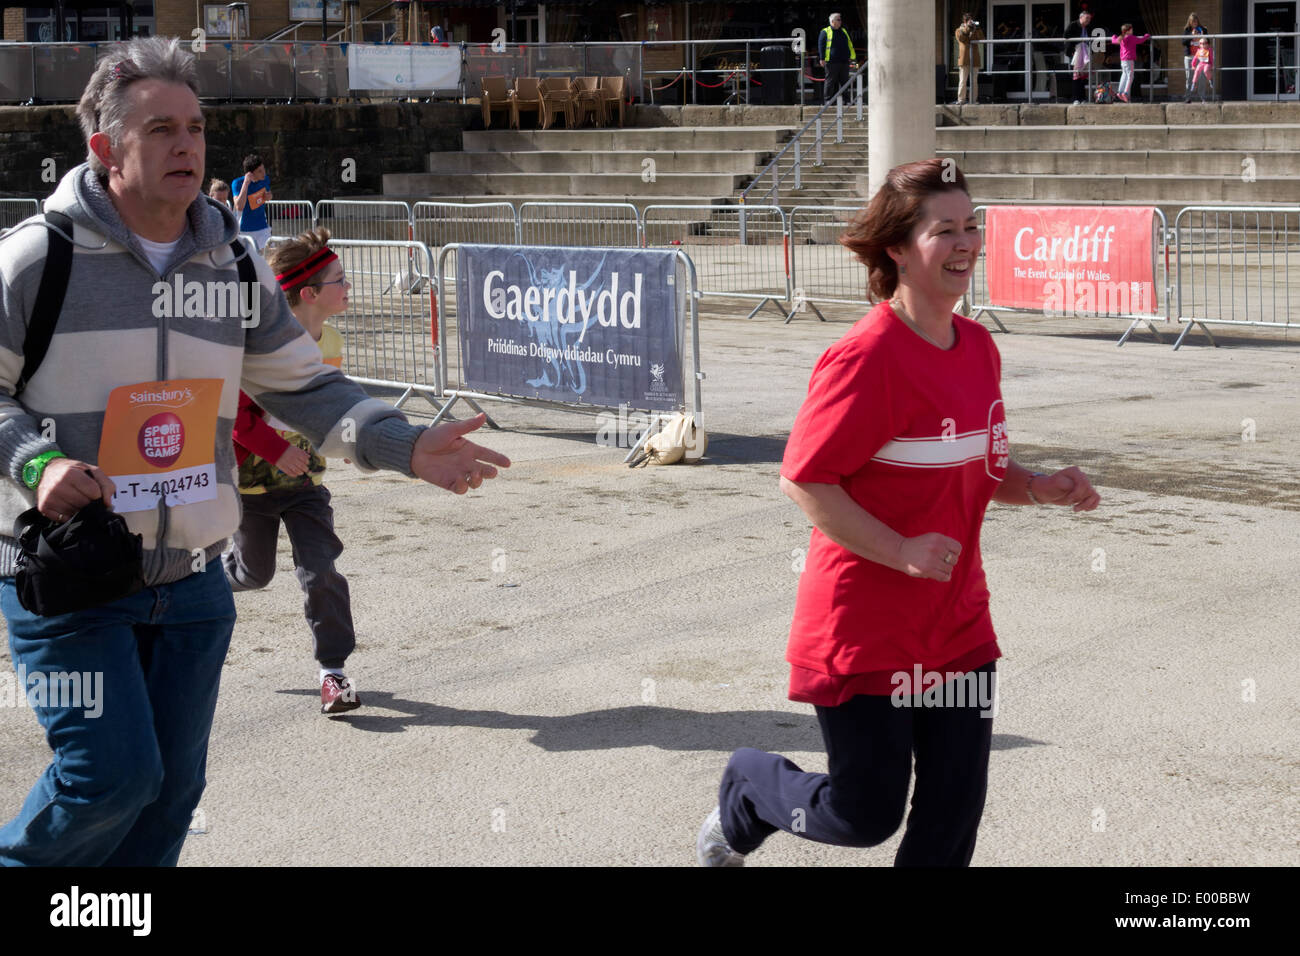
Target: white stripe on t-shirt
[946,452]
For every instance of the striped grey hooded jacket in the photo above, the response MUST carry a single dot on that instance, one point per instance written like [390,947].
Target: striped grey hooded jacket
[110,334]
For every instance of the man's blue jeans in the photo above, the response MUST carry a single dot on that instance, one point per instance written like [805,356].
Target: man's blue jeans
[123,785]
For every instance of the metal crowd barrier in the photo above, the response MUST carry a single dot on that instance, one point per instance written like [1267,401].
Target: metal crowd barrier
[438,224]
[391,335]
[454,388]
[579,224]
[288,217]
[1231,265]
[14,211]
[979,304]
[1235,267]
[740,251]
[822,270]
[374,220]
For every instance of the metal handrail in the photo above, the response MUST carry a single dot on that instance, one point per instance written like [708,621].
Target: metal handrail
[372,17]
[772,195]
[1147,59]
[693,71]
[291,31]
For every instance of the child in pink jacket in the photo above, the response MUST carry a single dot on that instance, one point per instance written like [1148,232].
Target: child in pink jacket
[1203,57]
[1128,45]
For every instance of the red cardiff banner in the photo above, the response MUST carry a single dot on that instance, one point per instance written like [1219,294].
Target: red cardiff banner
[1071,260]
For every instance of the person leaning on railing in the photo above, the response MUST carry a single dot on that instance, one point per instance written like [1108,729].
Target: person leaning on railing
[1190,32]
[1078,51]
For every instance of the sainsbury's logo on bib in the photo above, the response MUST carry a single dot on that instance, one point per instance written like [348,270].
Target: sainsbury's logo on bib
[999,449]
[163,396]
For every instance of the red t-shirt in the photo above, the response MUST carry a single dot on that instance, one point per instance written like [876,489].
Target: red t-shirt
[917,436]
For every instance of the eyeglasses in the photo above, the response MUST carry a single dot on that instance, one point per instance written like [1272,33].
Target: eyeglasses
[341,280]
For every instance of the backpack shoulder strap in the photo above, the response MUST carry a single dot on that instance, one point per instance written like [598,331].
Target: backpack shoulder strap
[247,273]
[49,297]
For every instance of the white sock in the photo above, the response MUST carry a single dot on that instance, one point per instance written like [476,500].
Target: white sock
[326,671]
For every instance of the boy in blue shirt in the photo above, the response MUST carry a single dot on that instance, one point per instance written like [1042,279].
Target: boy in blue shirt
[252,191]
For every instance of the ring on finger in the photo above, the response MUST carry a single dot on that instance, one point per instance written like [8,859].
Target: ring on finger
[949,558]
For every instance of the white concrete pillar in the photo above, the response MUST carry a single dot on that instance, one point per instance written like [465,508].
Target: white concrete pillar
[900,85]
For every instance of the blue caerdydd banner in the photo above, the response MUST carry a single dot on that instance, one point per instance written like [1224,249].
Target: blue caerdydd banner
[591,326]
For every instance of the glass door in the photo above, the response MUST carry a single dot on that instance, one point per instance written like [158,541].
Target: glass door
[1272,66]
[1047,22]
[1007,21]
[1023,20]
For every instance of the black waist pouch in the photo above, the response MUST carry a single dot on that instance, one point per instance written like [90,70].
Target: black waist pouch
[89,560]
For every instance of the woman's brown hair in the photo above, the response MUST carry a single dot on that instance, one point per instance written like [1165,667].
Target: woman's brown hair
[892,214]
[284,255]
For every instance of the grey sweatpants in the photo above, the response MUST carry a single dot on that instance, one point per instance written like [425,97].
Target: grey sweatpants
[309,519]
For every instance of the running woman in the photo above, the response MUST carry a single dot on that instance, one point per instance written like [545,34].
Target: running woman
[894,457]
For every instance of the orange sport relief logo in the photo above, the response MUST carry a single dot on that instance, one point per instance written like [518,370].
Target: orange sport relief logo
[159,441]
[1071,260]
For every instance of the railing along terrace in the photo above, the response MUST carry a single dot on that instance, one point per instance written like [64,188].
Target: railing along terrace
[1039,68]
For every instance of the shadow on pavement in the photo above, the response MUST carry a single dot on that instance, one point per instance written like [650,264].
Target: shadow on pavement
[643,726]
[744,449]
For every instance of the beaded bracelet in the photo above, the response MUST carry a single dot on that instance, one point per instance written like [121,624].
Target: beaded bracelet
[1029,487]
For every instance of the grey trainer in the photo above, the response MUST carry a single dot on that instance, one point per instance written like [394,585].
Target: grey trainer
[711,847]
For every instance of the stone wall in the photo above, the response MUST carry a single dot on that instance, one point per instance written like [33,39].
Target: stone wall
[304,147]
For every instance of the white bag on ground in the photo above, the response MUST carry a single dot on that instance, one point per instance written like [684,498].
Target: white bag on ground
[680,439]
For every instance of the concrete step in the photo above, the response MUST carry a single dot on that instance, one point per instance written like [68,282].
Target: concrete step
[621,161]
[832,163]
[609,140]
[831,155]
[574,186]
[1181,138]
[572,207]
[1174,113]
[1213,163]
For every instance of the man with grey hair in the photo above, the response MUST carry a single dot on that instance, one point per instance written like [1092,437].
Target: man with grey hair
[134,404]
[1078,53]
[835,52]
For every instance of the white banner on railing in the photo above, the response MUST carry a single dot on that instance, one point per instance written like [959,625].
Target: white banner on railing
[382,67]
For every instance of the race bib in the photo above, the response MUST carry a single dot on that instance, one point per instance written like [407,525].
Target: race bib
[158,442]
[256,199]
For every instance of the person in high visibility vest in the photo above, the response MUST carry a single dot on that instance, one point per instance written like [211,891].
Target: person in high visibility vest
[835,53]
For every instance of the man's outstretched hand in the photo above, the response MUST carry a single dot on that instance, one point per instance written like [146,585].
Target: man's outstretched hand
[443,457]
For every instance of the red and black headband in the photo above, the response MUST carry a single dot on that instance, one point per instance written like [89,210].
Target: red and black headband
[304,270]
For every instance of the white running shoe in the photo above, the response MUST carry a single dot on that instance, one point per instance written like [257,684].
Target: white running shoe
[711,848]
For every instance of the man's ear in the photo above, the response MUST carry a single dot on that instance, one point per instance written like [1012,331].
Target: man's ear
[102,146]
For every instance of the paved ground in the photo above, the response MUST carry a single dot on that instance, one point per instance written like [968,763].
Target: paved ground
[556,667]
